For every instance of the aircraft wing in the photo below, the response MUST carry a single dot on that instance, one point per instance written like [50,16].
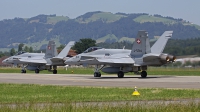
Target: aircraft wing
[28,61]
[114,59]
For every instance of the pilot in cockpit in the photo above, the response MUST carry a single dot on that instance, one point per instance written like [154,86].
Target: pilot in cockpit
[20,52]
[92,49]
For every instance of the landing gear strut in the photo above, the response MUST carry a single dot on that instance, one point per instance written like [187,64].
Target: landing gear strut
[96,71]
[23,69]
[143,74]
[54,69]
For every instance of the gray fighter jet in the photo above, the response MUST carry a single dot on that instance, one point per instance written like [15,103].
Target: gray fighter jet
[41,61]
[121,61]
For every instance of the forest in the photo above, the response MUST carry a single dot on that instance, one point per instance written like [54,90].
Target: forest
[177,47]
[39,28]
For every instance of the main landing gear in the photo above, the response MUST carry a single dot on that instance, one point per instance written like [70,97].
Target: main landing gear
[143,74]
[120,74]
[54,69]
[37,71]
[23,71]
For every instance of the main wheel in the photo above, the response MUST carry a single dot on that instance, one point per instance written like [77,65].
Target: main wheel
[143,74]
[54,71]
[99,74]
[95,74]
[37,70]
[120,74]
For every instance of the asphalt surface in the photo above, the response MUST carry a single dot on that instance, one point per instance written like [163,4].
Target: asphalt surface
[190,82]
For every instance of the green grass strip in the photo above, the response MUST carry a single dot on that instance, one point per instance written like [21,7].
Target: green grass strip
[81,70]
[11,93]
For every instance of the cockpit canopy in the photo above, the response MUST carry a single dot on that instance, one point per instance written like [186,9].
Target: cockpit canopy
[92,49]
[20,52]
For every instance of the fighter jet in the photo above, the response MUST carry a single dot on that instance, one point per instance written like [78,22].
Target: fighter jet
[41,61]
[121,61]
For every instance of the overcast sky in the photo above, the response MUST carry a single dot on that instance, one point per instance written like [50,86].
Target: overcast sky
[186,9]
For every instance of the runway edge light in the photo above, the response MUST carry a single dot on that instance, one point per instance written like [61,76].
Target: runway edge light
[136,93]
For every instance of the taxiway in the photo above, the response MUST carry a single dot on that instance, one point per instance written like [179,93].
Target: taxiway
[190,82]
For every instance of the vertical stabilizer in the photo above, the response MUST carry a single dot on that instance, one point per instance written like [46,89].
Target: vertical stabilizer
[65,51]
[141,45]
[159,45]
[51,50]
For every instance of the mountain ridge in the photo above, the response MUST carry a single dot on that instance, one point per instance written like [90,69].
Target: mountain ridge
[95,25]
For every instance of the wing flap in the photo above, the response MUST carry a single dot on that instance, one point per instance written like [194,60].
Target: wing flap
[113,59]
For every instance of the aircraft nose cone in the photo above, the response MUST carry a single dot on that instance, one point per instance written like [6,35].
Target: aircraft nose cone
[68,60]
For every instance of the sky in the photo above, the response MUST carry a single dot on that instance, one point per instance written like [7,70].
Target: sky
[185,9]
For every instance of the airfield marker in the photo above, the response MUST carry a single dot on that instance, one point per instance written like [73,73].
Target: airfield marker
[135,93]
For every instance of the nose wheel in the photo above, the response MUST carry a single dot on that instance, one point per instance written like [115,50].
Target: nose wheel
[97,69]
[23,71]
[97,74]
[37,71]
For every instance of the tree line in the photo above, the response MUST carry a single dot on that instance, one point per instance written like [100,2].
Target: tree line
[177,47]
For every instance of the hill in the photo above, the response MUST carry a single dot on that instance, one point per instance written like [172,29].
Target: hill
[101,26]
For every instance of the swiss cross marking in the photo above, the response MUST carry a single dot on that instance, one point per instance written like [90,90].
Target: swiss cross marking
[138,41]
[49,47]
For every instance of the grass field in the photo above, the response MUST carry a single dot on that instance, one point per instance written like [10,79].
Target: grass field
[105,16]
[69,107]
[20,93]
[147,18]
[29,97]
